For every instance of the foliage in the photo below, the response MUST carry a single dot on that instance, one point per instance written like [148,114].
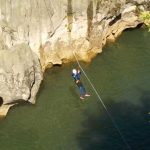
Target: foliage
[145,17]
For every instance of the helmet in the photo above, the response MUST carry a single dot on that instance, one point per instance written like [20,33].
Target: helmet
[74,71]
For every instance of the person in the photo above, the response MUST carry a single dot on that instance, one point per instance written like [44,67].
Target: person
[76,73]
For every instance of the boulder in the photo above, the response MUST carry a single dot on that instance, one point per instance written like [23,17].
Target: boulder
[20,74]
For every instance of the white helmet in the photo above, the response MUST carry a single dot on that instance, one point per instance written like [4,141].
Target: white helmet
[74,71]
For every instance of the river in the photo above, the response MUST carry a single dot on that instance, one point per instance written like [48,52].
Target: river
[60,121]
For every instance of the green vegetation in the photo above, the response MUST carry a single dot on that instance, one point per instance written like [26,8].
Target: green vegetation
[145,17]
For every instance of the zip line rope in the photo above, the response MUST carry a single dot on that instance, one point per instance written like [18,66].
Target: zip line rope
[104,106]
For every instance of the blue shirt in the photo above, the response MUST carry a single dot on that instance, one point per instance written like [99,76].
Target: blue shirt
[76,76]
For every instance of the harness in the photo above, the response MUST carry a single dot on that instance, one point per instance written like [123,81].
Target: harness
[77,78]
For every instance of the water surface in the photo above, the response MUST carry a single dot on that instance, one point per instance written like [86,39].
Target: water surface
[60,121]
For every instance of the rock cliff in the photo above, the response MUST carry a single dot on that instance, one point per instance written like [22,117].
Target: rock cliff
[20,76]
[51,30]
[88,26]
[54,28]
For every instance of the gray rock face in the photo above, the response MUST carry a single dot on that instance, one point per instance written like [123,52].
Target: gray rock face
[30,21]
[87,28]
[54,28]
[20,74]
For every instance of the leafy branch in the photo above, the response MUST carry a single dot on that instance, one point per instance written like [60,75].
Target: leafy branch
[145,17]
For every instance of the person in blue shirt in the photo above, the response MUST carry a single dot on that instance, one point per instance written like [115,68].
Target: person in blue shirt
[76,73]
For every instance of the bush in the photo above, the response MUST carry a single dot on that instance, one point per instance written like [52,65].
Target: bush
[145,17]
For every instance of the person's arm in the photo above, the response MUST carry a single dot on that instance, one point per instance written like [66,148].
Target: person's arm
[79,71]
[77,81]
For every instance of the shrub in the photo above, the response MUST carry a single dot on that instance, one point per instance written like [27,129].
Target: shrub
[145,17]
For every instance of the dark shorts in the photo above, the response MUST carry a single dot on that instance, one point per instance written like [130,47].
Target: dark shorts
[79,84]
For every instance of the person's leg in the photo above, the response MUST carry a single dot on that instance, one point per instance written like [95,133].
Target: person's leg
[87,95]
[82,92]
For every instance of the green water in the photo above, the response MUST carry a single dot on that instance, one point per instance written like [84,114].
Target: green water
[60,121]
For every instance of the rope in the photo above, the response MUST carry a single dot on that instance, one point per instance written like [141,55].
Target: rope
[104,106]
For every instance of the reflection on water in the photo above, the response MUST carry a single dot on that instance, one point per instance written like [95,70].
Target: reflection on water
[60,121]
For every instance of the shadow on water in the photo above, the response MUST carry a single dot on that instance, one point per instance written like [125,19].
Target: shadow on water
[133,121]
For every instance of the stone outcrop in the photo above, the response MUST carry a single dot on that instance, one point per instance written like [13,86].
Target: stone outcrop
[54,28]
[87,28]
[20,75]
